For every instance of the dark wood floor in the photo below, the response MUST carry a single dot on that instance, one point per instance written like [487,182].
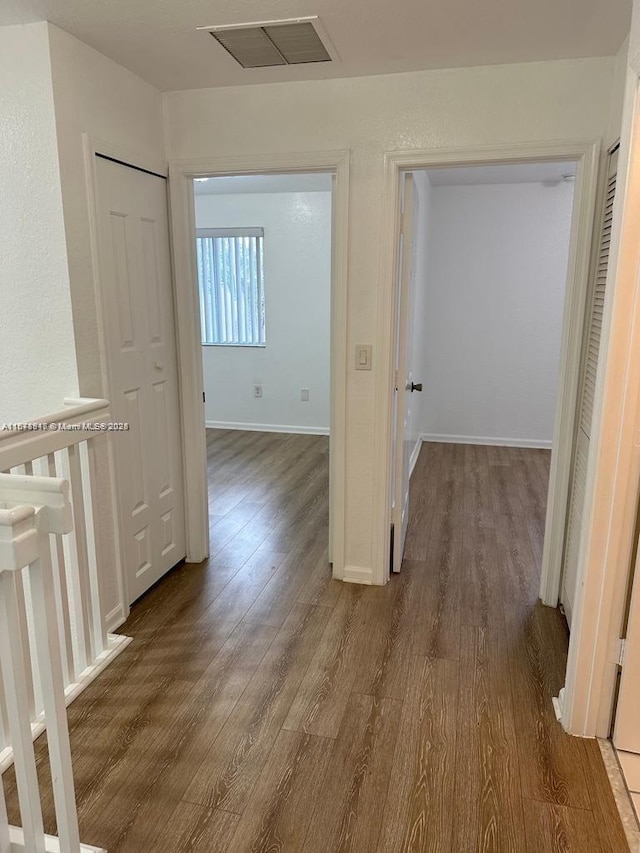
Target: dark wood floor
[265,707]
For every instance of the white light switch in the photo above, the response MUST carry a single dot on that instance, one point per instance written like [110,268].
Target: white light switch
[363,356]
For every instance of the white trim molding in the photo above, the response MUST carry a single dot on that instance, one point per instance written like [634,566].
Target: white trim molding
[490,441]
[296,430]
[358,574]
[182,173]
[586,154]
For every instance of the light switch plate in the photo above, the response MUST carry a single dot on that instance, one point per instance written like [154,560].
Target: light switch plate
[363,356]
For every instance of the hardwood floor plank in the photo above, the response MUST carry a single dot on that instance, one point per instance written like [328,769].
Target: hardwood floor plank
[278,812]
[386,661]
[322,698]
[420,807]
[609,828]
[560,829]
[506,494]
[281,592]
[478,498]
[519,570]
[243,589]
[187,828]
[482,583]
[550,760]
[348,811]
[435,612]
[227,773]
[487,792]
[321,588]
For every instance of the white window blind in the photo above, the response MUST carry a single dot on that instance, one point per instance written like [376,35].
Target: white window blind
[231,282]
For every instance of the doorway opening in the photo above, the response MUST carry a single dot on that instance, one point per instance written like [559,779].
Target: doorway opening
[484,268]
[263,252]
[581,306]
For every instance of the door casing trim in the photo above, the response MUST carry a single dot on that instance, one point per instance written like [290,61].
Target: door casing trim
[586,153]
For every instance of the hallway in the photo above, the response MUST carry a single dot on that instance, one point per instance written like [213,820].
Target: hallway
[263,706]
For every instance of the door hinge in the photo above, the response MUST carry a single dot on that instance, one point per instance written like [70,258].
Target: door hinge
[395,380]
[204,399]
[621,649]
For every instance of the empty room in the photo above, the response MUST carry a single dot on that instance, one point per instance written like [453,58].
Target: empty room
[263,248]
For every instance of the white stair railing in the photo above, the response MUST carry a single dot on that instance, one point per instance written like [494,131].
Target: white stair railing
[63,445]
[31,510]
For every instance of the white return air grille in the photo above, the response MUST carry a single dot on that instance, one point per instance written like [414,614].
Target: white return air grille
[270,43]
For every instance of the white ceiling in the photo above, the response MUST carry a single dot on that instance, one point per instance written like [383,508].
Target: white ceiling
[298,183]
[518,173]
[158,40]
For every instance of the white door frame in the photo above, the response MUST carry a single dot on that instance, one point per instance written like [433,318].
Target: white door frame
[181,175]
[91,146]
[586,153]
[613,474]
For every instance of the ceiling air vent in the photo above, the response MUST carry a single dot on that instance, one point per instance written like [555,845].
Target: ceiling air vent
[268,43]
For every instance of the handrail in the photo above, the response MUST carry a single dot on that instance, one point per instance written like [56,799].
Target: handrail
[78,409]
[19,446]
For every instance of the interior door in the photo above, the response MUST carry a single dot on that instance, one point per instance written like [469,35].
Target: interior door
[403,378]
[591,350]
[139,330]
[626,733]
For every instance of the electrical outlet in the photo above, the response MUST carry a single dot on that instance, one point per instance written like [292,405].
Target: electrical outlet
[257,390]
[304,395]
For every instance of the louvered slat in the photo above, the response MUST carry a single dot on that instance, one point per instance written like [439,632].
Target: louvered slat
[591,354]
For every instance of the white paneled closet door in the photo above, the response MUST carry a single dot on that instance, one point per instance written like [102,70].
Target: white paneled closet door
[591,351]
[137,296]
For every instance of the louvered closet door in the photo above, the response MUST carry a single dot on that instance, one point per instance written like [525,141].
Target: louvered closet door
[590,356]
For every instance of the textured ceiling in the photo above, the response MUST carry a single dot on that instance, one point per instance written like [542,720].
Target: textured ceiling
[158,40]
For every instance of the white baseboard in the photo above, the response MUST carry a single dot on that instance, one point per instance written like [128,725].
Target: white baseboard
[534,443]
[298,430]
[51,844]
[357,574]
[115,618]
[414,455]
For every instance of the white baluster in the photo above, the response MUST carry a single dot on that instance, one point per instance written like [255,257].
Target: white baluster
[26,650]
[48,650]
[12,656]
[99,570]
[82,588]
[62,595]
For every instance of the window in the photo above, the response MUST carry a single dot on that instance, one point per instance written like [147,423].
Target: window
[231,282]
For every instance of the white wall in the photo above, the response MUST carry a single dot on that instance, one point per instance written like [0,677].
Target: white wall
[496,281]
[297,275]
[94,95]
[37,357]
[432,109]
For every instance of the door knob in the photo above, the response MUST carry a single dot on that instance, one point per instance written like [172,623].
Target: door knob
[415,386]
